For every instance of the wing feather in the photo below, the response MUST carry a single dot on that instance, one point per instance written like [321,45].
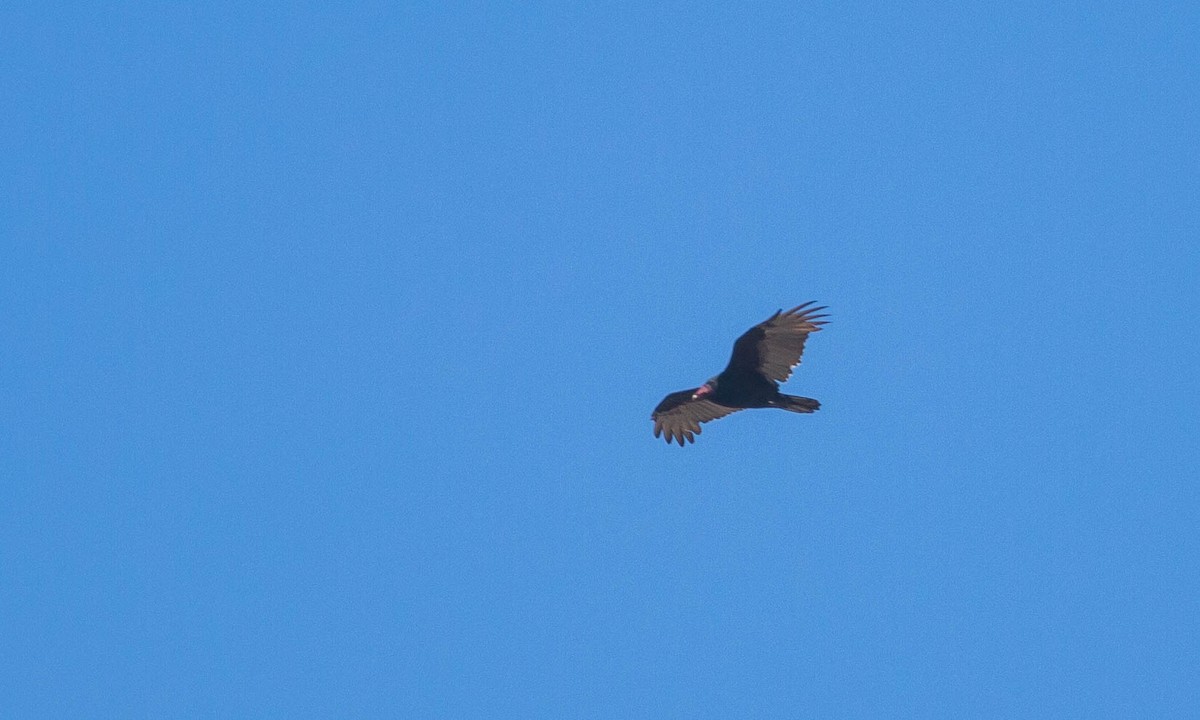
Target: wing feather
[678,417]
[774,346]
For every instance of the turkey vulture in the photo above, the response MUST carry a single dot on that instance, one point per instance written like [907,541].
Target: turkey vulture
[762,358]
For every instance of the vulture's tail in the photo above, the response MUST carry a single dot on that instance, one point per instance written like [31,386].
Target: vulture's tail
[795,403]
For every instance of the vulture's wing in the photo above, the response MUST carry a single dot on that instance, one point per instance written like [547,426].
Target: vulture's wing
[774,346]
[678,416]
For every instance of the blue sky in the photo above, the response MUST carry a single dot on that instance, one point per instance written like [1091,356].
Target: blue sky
[332,331]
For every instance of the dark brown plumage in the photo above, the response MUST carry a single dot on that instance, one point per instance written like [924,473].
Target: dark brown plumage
[762,358]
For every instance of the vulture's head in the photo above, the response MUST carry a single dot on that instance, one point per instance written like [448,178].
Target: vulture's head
[705,389]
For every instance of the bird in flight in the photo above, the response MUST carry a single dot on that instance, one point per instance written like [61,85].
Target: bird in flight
[762,358]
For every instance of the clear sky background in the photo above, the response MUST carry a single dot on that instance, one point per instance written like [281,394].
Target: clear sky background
[331,332]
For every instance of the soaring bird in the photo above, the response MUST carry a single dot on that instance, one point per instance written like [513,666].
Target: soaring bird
[762,358]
